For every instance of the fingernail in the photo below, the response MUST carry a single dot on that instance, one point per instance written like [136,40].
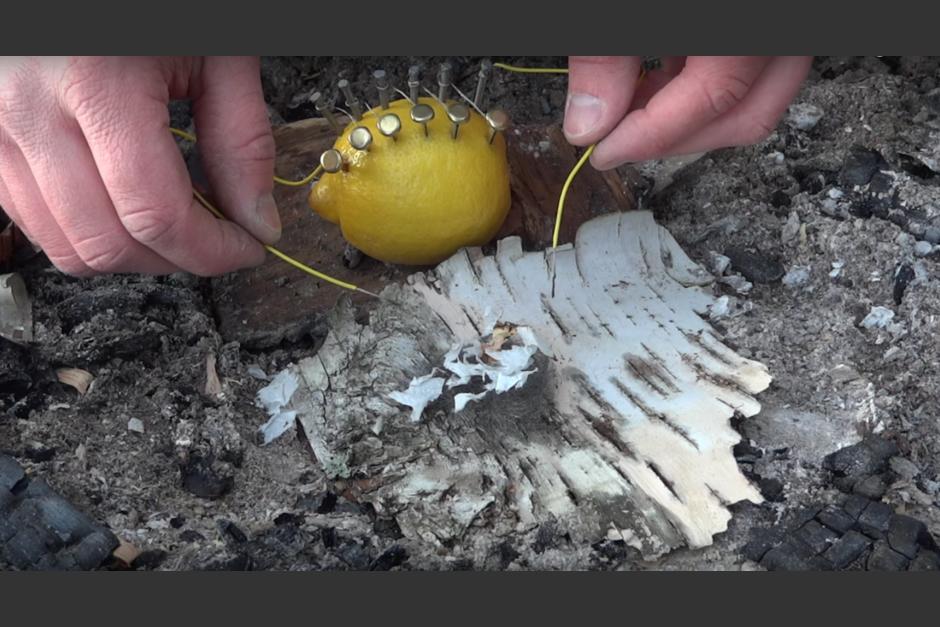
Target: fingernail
[269,221]
[582,113]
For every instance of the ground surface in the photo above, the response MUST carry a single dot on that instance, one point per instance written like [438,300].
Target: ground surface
[825,223]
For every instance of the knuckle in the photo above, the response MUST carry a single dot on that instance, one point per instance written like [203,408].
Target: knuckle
[103,253]
[85,84]
[19,82]
[725,92]
[151,225]
[25,97]
[657,145]
[104,261]
[104,99]
[756,131]
[70,263]
[258,146]
[214,261]
[655,140]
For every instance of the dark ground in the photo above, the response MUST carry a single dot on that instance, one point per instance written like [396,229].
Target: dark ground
[858,192]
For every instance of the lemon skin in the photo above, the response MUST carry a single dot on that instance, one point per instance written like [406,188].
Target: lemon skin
[416,200]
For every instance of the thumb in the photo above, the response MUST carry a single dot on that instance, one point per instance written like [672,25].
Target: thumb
[600,90]
[236,143]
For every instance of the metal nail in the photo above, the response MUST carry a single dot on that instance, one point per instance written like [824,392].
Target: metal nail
[389,125]
[444,81]
[326,110]
[422,114]
[458,114]
[486,68]
[498,121]
[332,161]
[414,83]
[360,138]
[355,107]
[384,89]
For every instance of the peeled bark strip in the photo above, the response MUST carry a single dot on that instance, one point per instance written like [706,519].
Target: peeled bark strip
[624,431]
[16,311]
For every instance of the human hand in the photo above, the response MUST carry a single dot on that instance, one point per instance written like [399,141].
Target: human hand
[691,104]
[91,174]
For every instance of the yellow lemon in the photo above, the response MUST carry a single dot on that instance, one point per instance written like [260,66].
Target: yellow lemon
[416,199]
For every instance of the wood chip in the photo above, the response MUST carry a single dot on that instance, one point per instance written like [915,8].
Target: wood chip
[77,378]
[126,552]
[213,385]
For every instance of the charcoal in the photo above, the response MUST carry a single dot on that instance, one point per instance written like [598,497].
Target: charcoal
[869,457]
[792,555]
[861,164]
[389,558]
[846,549]
[906,534]
[855,505]
[836,519]
[925,560]
[816,536]
[755,267]
[772,489]
[875,519]
[10,473]
[40,530]
[871,487]
[883,557]
[761,541]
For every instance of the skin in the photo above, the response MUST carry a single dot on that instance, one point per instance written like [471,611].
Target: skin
[91,174]
[690,105]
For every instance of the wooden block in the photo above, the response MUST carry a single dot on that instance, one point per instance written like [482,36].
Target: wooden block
[262,306]
[540,160]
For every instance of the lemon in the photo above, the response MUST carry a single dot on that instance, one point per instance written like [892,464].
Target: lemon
[416,199]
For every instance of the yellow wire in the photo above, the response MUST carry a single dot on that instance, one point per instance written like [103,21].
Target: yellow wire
[531,70]
[277,253]
[304,181]
[564,192]
[581,161]
[577,166]
[187,136]
[271,249]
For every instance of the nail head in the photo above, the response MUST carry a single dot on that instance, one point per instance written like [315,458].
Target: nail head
[422,113]
[331,161]
[360,138]
[389,124]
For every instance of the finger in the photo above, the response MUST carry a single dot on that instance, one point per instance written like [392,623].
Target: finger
[599,93]
[68,180]
[705,89]
[758,114]
[651,82]
[236,143]
[9,209]
[24,203]
[126,124]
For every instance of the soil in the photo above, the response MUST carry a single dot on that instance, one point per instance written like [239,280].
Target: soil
[822,225]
